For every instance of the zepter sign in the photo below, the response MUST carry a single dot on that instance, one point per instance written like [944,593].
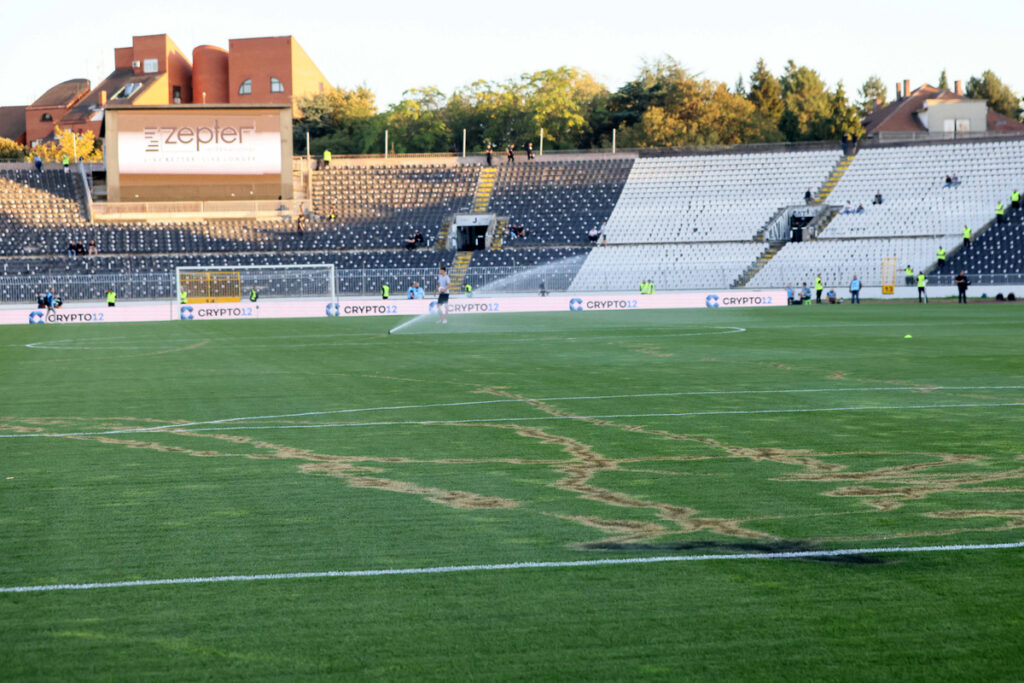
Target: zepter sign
[214,144]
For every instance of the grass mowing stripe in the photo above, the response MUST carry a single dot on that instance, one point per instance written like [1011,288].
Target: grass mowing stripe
[792,555]
[340,411]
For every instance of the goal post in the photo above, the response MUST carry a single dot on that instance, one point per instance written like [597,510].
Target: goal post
[230,283]
[889,275]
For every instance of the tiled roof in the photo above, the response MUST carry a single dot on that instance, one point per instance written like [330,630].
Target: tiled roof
[63,94]
[12,122]
[899,116]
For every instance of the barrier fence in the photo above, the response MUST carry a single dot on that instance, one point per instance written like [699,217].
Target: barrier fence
[556,277]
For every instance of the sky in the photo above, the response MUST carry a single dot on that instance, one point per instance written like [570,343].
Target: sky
[403,44]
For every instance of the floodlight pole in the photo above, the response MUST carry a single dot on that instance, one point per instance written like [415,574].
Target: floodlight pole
[463,143]
[542,142]
[74,146]
[385,143]
[613,141]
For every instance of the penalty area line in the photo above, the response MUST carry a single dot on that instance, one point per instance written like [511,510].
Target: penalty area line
[794,555]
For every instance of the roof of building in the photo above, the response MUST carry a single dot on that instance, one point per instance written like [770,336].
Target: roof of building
[12,122]
[900,116]
[63,94]
[112,84]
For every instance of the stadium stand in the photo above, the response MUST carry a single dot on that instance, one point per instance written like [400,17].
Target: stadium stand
[998,250]
[721,197]
[705,265]
[379,206]
[916,199]
[558,202]
[839,260]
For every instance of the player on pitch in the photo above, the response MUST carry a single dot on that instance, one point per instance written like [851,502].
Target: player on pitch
[443,282]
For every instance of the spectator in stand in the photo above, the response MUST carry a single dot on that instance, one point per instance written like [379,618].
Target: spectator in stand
[949,181]
[808,196]
[419,238]
[79,248]
[490,154]
[855,290]
[510,154]
[410,241]
[956,180]
[529,151]
[593,234]
[517,231]
[93,250]
[38,162]
[878,197]
[848,208]
[860,208]
[71,249]
[961,287]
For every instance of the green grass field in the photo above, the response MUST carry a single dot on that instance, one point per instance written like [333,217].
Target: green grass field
[210,449]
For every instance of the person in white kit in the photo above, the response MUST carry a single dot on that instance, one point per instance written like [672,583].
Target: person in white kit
[443,282]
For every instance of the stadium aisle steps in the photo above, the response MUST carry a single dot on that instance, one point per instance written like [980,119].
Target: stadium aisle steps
[484,189]
[756,266]
[458,270]
[499,234]
[833,179]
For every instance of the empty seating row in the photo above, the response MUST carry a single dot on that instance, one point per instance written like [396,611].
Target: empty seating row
[705,265]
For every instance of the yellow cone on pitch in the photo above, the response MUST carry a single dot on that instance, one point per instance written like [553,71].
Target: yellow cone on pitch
[907,336]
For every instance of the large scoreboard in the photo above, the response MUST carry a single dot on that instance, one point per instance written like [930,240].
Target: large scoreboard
[198,152]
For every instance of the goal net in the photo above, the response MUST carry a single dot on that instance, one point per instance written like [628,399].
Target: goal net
[221,284]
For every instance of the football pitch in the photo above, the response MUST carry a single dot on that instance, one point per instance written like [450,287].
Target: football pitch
[800,493]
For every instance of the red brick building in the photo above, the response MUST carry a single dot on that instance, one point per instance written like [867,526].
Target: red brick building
[154,71]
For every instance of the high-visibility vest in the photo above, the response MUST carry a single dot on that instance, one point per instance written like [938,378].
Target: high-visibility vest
[385,291]
[65,160]
[941,254]
[909,271]
[183,297]
[967,233]
[468,288]
[1000,210]
[1015,197]
[921,280]
[817,284]
[111,297]
[650,288]
[327,155]
[643,287]
[253,294]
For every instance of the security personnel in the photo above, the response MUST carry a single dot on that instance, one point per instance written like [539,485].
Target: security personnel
[818,287]
[909,273]
[967,236]
[650,286]
[385,291]
[111,297]
[922,297]
[1015,199]
[940,257]
[253,295]
[327,158]
[183,297]
[65,160]
[1000,211]
[468,289]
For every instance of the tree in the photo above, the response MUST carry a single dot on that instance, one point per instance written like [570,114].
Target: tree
[344,121]
[988,87]
[766,93]
[943,81]
[561,102]
[67,142]
[808,111]
[9,149]
[845,120]
[739,88]
[872,94]
[416,124]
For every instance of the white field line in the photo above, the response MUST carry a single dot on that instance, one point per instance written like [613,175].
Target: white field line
[795,555]
[397,423]
[184,425]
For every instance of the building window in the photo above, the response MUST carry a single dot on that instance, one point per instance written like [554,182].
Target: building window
[176,94]
[46,117]
[276,85]
[246,87]
[150,66]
